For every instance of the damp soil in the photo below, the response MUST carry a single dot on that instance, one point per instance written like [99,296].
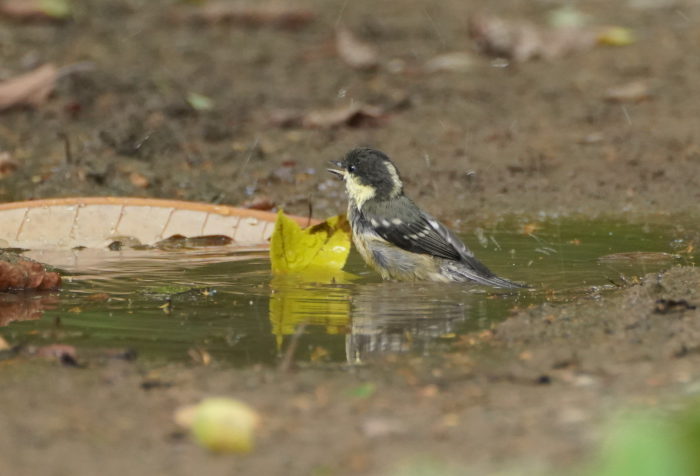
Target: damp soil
[535,140]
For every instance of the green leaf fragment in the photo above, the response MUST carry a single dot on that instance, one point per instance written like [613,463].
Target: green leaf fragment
[56,8]
[200,102]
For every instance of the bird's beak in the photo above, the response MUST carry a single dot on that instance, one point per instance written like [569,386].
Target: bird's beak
[339,172]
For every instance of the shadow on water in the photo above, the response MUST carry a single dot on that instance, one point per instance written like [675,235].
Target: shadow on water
[167,305]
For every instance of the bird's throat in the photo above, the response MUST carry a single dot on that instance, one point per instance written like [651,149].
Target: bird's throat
[358,192]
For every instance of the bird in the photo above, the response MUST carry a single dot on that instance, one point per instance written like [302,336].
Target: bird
[395,236]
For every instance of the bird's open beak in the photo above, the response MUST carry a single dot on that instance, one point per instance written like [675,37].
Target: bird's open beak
[339,172]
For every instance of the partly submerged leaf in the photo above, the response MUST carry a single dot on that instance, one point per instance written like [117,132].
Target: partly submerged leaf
[325,245]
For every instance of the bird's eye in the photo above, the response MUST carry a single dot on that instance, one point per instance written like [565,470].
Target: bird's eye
[351,168]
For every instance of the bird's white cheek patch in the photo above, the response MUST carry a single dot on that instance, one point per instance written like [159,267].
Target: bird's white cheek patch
[357,191]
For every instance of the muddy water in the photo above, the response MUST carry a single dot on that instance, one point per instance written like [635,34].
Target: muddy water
[184,304]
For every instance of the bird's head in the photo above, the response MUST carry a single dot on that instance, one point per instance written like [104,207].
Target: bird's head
[369,175]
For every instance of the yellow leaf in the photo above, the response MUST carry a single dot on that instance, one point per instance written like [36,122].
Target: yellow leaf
[616,36]
[325,245]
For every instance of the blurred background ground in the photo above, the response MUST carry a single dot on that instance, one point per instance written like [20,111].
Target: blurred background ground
[498,136]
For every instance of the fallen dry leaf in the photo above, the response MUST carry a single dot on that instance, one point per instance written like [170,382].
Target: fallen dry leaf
[355,53]
[8,165]
[35,10]
[352,115]
[139,180]
[29,89]
[277,15]
[456,62]
[634,91]
[523,41]
[259,202]
[26,274]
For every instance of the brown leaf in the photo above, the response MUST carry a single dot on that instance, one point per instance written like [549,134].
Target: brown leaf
[29,89]
[259,202]
[139,180]
[8,165]
[635,91]
[355,53]
[352,115]
[286,118]
[523,41]
[277,15]
[35,10]
[26,274]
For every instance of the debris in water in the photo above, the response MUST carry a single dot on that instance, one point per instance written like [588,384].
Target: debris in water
[637,256]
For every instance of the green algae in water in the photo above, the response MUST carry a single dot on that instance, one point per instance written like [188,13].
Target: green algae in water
[167,304]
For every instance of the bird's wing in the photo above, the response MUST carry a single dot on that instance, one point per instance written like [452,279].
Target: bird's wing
[411,229]
[406,226]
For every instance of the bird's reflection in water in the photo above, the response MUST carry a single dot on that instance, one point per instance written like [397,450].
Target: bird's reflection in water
[403,317]
[376,318]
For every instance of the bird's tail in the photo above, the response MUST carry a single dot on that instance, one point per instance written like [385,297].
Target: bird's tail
[503,283]
[465,273]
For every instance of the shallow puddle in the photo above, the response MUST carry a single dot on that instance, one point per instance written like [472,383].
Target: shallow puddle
[223,304]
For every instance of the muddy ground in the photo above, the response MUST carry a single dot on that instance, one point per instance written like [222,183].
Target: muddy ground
[536,138]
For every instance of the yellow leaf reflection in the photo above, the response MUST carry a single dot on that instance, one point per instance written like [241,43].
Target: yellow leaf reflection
[296,301]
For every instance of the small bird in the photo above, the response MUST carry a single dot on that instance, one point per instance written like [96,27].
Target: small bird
[394,236]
